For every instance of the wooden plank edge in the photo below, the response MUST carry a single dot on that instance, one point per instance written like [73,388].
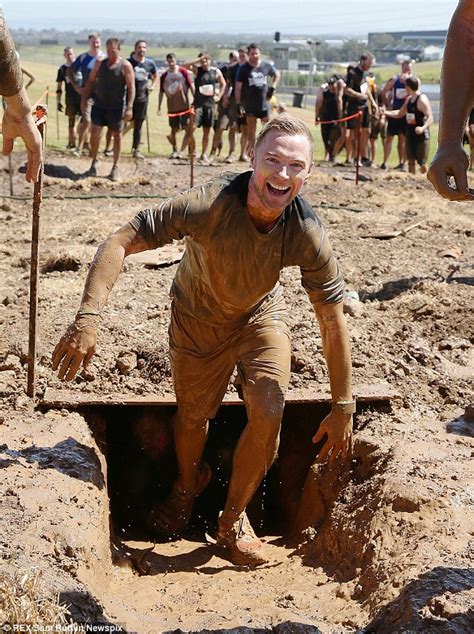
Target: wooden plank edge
[69,399]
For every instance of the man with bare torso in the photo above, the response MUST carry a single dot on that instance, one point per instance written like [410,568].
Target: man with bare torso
[228,310]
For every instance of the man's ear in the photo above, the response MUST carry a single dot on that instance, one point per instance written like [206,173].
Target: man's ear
[309,171]
[252,158]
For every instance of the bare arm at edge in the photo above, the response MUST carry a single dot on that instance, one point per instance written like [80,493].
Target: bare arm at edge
[457,99]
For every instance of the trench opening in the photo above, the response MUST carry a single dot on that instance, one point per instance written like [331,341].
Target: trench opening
[141,465]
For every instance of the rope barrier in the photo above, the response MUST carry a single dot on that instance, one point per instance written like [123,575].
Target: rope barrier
[180,114]
[46,92]
[352,116]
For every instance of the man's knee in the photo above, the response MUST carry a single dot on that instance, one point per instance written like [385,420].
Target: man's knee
[187,421]
[265,411]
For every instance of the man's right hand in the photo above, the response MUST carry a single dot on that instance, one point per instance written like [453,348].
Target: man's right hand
[60,107]
[76,346]
[450,161]
[240,110]
[23,125]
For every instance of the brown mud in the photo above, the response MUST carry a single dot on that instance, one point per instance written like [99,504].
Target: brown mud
[386,542]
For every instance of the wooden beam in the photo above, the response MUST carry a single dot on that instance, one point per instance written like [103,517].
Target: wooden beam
[71,399]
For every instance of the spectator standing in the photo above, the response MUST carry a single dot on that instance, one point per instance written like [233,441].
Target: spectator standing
[146,77]
[78,74]
[72,97]
[393,95]
[111,79]
[252,91]
[176,83]
[209,87]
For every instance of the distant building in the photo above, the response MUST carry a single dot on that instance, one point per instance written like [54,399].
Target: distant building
[436,38]
[289,54]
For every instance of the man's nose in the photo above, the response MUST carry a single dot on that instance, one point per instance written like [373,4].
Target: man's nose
[283,171]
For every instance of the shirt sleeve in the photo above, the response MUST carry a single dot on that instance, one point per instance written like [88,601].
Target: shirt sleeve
[11,80]
[177,217]
[320,274]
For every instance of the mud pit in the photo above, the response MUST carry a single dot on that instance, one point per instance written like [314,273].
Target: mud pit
[391,548]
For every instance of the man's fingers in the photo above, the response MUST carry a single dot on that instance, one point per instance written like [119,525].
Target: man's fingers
[318,435]
[74,366]
[323,454]
[87,358]
[7,145]
[66,362]
[58,353]
[34,166]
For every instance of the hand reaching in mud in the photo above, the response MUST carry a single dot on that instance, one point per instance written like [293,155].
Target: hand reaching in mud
[338,429]
[76,346]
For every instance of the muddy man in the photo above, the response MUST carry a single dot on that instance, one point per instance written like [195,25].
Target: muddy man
[228,310]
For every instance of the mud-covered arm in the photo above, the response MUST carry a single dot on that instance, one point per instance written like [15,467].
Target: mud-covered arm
[17,120]
[457,99]
[149,229]
[337,426]
[11,79]
[78,344]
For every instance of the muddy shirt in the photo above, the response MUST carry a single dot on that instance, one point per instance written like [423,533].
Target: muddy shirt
[229,268]
[11,79]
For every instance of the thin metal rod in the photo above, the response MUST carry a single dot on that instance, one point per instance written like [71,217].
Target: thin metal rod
[34,276]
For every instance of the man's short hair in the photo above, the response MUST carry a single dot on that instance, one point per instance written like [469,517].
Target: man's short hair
[289,125]
[113,40]
[366,56]
[139,42]
[413,83]
[93,36]
[253,45]
[171,56]
[67,49]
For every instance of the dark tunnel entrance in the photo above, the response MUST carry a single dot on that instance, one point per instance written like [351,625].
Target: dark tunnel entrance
[138,445]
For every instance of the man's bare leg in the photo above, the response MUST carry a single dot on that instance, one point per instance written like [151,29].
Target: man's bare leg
[243,144]
[387,148]
[205,141]
[251,132]
[189,438]
[401,149]
[253,456]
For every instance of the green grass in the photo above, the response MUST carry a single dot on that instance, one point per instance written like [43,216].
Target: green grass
[428,72]
[45,74]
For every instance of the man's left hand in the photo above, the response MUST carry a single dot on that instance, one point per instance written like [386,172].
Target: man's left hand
[337,426]
[270,92]
[128,114]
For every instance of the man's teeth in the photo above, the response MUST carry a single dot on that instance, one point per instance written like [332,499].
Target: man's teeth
[279,187]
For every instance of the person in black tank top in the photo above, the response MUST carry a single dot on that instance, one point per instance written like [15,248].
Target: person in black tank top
[419,117]
[209,88]
[329,107]
[112,81]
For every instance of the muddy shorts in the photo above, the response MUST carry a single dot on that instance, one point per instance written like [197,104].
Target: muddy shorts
[203,358]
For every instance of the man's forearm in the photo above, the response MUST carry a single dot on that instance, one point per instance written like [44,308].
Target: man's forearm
[19,104]
[336,350]
[457,75]
[102,275]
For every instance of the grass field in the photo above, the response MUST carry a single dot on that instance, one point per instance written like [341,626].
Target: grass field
[45,73]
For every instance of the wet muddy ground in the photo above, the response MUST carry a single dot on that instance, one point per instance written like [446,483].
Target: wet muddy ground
[389,548]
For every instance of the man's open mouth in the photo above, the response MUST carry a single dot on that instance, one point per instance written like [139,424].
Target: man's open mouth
[277,191]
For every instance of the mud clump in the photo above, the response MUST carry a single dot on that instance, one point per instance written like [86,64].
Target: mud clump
[61,263]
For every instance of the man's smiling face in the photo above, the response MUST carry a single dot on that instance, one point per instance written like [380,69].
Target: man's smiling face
[281,164]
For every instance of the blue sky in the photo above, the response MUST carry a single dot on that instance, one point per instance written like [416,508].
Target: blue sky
[305,17]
